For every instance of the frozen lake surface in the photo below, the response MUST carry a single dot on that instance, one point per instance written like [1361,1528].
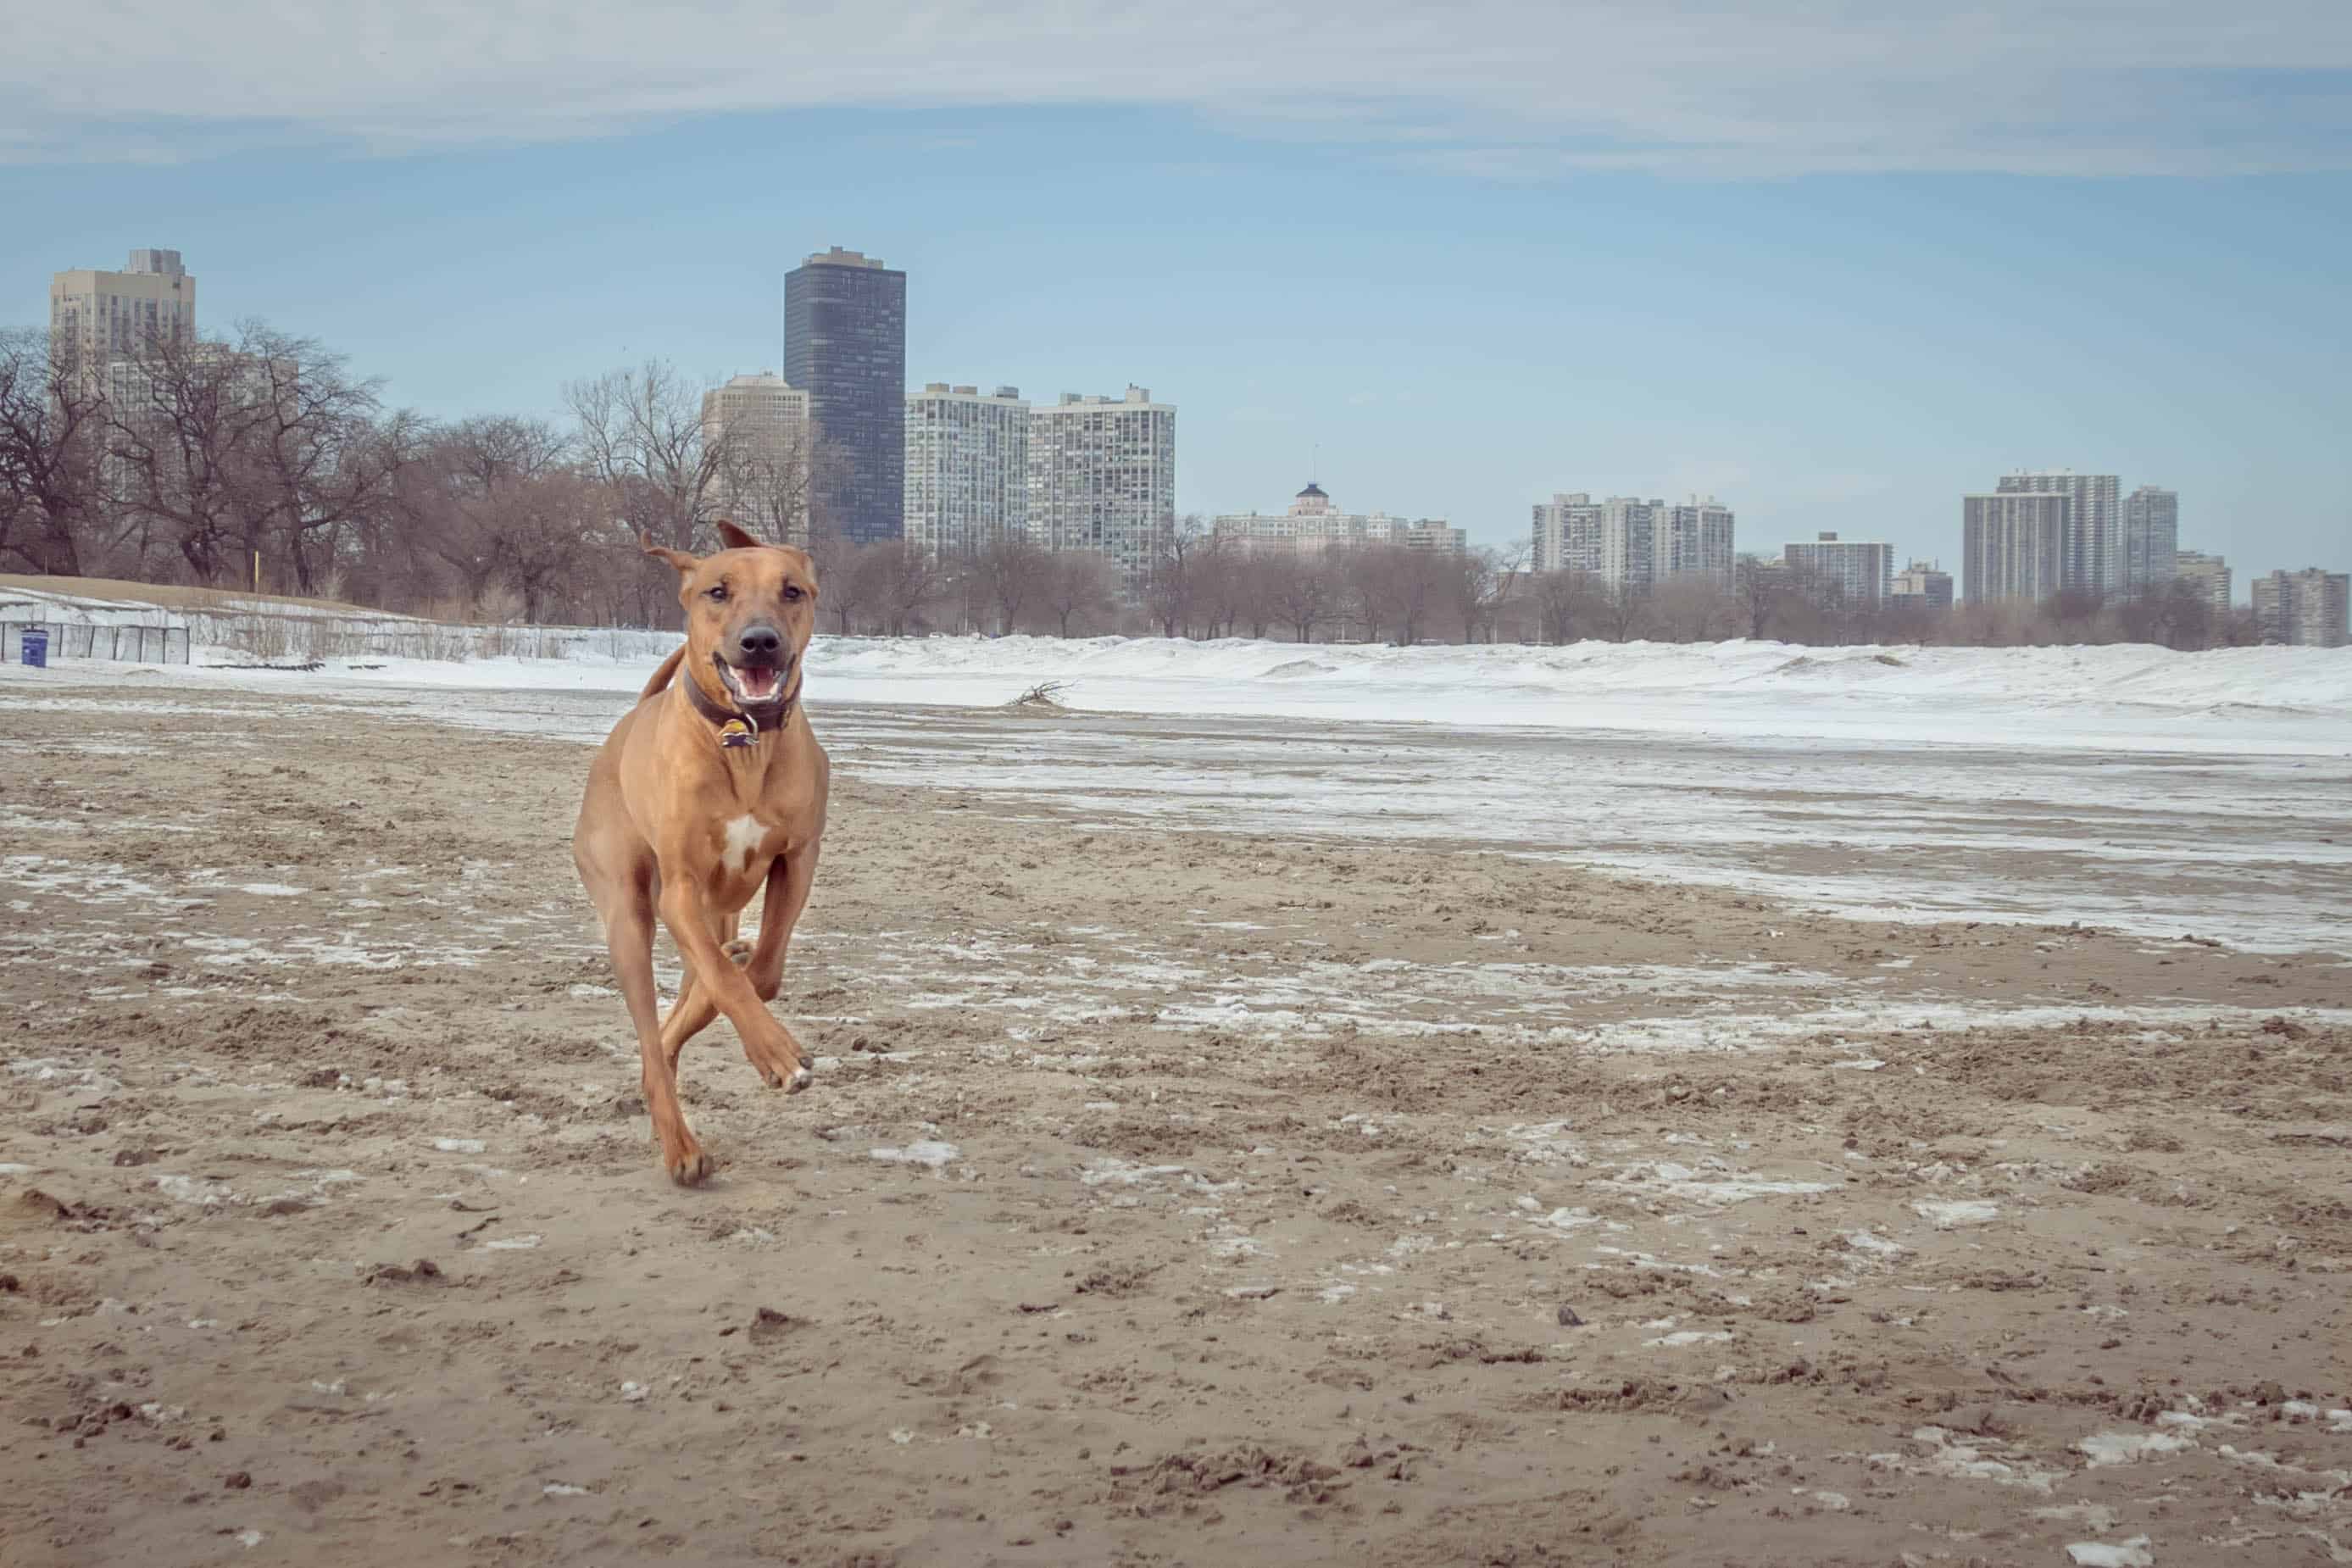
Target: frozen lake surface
[2216,801]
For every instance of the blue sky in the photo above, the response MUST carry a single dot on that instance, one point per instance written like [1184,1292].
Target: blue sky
[1837,298]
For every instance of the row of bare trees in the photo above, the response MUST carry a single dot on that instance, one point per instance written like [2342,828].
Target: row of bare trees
[260,459]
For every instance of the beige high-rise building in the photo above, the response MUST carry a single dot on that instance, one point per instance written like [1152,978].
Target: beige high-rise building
[104,317]
[763,425]
[2209,572]
[2310,608]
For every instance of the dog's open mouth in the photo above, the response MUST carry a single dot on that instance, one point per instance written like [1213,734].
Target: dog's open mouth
[754,685]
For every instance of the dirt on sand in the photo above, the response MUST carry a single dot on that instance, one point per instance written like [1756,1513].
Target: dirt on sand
[1162,1199]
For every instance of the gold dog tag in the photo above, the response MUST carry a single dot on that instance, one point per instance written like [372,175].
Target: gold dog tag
[736,732]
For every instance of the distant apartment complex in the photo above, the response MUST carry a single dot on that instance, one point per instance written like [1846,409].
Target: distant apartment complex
[108,319]
[2310,608]
[2209,572]
[760,424]
[2150,540]
[1314,524]
[1628,542]
[1863,572]
[1102,475]
[2012,546]
[846,346]
[2091,552]
[1924,584]
[967,468]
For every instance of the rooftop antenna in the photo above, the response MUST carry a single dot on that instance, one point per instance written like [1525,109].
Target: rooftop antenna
[1315,466]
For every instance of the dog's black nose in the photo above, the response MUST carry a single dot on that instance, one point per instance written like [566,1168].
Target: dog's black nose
[759,644]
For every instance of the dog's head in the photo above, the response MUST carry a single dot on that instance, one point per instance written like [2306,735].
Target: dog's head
[750,610]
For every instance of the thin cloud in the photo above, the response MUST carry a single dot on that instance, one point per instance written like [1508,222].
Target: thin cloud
[1491,89]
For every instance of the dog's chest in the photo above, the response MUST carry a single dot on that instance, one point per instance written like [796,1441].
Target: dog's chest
[747,839]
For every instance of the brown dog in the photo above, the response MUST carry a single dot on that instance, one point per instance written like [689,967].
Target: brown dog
[711,788]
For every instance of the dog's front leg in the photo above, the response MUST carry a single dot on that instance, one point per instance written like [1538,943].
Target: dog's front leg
[629,937]
[780,910]
[771,1047]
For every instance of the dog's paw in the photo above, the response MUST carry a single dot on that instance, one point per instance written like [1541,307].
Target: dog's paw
[689,1168]
[740,951]
[800,1080]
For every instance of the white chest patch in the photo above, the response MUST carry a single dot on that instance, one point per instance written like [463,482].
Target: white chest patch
[744,837]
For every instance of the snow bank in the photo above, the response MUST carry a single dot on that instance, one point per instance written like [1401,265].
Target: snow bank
[2129,698]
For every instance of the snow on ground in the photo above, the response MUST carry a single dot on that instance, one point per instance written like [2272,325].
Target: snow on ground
[2117,698]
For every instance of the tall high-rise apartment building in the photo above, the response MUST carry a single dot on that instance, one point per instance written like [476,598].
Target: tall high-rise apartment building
[1924,583]
[103,317]
[1699,535]
[760,424]
[2310,608]
[846,346]
[1862,571]
[1628,542]
[2151,540]
[2209,572]
[2014,546]
[2093,555]
[967,468]
[1102,475]
[1313,524]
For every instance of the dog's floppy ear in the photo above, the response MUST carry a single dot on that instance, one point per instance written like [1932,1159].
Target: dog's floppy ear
[677,558]
[736,538]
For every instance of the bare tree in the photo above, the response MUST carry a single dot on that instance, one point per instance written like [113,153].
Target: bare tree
[903,580]
[1077,586]
[641,431]
[1012,570]
[52,421]
[844,583]
[1478,583]
[1689,608]
[1171,582]
[1300,590]
[258,447]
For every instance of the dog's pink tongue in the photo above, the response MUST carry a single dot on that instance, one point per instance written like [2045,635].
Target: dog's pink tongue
[757,682]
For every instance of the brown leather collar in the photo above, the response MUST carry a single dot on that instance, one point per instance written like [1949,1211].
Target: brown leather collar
[737,728]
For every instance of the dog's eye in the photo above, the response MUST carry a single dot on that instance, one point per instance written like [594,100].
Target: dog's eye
[792,593]
[718,595]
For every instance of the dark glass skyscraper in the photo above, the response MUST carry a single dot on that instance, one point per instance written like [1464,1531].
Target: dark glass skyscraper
[846,346]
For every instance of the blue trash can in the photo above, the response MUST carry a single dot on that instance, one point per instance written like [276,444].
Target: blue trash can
[35,645]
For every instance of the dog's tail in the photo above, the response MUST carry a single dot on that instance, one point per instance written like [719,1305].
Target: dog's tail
[661,676]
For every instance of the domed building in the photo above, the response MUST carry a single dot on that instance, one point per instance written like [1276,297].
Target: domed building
[1315,524]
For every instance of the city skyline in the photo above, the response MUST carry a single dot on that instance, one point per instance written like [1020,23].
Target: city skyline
[844,324]
[1364,241]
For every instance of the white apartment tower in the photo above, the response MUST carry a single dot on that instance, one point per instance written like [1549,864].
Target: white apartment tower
[1628,542]
[2150,538]
[1862,570]
[104,317]
[2014,546]
[1102,477]
[967,468]
[2093,552]
[769,446]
